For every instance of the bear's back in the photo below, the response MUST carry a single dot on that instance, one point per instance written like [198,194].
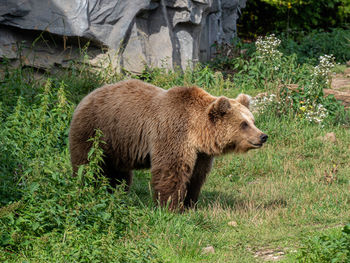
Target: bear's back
[134,115]
[127,92]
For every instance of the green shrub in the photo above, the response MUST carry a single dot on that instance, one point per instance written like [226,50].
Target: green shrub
[308,101]
[270,16]
[304,48]
[48,215]
[310,46]
[297,90]
[16,82]
[269,69]
[31,133]
[334,247]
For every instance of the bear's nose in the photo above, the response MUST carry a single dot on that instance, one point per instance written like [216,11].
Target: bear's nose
[263,138]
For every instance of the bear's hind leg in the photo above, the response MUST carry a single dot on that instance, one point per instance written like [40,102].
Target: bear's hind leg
[115,175]
[123,176]
[78,152]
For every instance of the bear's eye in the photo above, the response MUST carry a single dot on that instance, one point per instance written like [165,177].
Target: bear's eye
[244,125]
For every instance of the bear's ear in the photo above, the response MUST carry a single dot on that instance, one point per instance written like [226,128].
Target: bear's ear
[219,108]
[244,99]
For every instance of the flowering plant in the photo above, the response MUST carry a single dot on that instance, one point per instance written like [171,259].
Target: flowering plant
[266,49]
[311,103]
[323,69]
[307,101]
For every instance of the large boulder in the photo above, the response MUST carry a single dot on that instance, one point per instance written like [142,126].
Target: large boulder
[167,33]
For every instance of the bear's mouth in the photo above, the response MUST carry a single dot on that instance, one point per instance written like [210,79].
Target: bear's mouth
[256,145]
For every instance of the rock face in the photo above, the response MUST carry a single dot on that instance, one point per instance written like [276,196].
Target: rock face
[170,33]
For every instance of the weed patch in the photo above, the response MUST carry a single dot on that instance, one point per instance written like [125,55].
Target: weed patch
[331,247]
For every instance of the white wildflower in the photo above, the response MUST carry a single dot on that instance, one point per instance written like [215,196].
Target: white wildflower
[315,113]
[261,104]
[323,69]
[267,46]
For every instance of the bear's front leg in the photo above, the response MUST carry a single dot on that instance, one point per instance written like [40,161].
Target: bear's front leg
[201,169]
[170,184]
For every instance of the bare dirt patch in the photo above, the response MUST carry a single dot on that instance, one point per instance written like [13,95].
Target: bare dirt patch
[270,255]
[340,87]
[341,81]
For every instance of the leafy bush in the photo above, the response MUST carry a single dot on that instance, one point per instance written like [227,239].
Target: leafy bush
[310,46]
[17,82]
[270,69]
[334,247]
[28,136]
[270,16]
[308,101]
[227,55]
[48,214]
[298,48]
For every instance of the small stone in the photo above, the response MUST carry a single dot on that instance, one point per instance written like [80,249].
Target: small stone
[330,137]
[208,250]
[232,223]
[244,51]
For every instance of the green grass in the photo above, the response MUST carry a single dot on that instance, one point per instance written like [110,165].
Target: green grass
[278,196]
[295,188]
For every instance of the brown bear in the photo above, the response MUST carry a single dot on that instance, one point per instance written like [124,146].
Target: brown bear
[175,132]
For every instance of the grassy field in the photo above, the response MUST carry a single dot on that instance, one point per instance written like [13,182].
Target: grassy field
[294,188]
[275,201]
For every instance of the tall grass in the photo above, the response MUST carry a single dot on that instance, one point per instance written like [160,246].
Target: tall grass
[48,214]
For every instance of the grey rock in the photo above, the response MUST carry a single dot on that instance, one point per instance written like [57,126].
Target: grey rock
[167,33]
[208,250]
[232,223]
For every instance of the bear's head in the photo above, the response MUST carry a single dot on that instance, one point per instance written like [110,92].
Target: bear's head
[232,125]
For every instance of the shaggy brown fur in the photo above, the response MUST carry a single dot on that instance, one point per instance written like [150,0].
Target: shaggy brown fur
[176,133]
